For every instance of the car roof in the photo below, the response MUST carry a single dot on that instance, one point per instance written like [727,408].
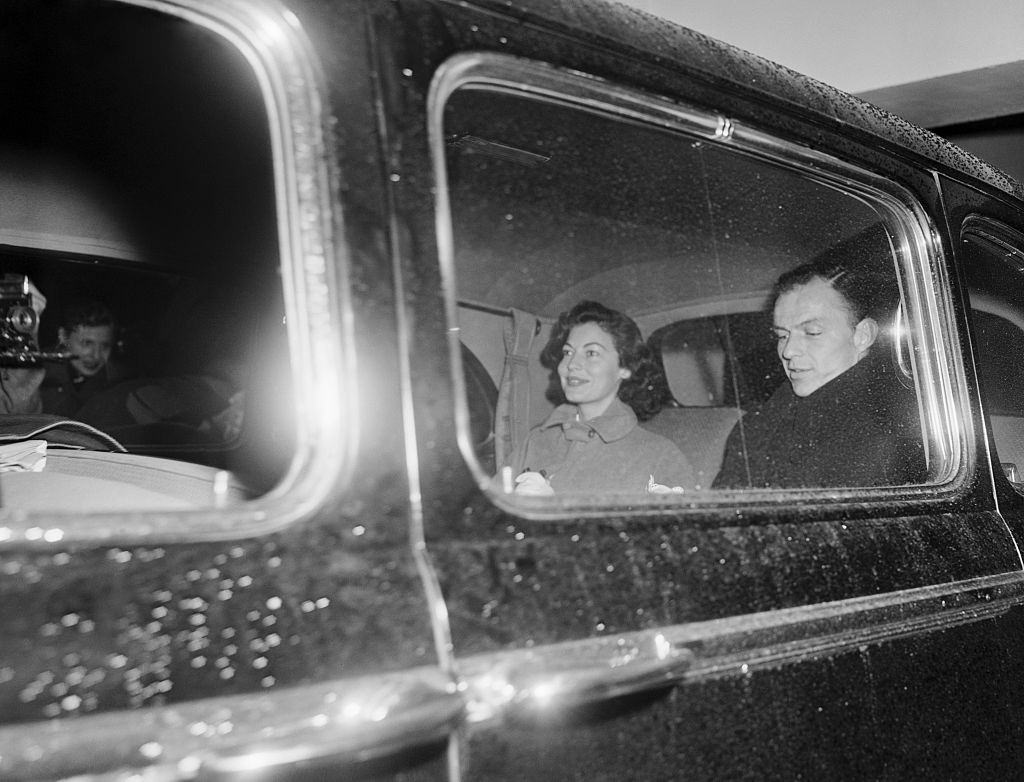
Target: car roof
[612,25]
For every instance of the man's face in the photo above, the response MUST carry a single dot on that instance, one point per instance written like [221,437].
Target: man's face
[816,341]
[91,346]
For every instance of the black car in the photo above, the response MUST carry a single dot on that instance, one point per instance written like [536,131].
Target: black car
[337,235]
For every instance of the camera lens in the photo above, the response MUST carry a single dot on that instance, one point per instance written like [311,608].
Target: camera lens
[22,319]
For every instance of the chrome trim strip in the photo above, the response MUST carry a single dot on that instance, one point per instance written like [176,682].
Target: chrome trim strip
[568,675]
[926,286]
[271,39]
[531,681]
[741,644]
[344,722]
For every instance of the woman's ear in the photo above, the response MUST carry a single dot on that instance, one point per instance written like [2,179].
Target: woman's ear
[865,333]
[625,374]
[62,336]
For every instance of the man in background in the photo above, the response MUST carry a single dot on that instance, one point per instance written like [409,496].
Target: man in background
[88,332]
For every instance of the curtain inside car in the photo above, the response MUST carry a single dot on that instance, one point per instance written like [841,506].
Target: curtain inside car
[512,422]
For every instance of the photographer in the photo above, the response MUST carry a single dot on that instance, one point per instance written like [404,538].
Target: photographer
[88,333]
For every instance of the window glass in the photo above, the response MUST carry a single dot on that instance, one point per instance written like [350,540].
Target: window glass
[555,205]
[994,266]
[137,200]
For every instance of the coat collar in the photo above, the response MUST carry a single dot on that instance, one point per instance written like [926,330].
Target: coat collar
[614,424]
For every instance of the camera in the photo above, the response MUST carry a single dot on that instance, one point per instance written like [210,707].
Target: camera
[18,323]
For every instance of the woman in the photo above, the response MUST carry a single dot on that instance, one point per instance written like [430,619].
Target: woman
[607,382]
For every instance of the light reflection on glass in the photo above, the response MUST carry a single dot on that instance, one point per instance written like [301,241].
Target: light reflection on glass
[546,692]
[662,648]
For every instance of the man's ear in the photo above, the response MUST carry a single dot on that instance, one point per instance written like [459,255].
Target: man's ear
[865,333]
[62,335]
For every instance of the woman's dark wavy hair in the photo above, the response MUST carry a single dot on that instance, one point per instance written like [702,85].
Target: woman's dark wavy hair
[645,390]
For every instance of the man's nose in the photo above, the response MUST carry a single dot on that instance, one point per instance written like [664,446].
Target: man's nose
[789,346]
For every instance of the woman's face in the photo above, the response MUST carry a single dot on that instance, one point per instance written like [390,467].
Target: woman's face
[589,369]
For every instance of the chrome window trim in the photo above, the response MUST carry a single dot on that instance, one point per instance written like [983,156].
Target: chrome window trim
[997,233]
[995,236]
[939,366]
[272,41]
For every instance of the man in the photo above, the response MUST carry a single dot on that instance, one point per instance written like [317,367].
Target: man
[844,418]
[88,333]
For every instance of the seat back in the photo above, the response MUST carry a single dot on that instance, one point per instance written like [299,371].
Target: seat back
[700,433]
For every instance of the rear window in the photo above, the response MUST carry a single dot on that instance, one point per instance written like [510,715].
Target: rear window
[561,193]
[149,218]
[994,255]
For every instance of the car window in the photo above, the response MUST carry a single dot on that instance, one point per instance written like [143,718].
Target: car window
[995,276]
[564,191]
[144,198]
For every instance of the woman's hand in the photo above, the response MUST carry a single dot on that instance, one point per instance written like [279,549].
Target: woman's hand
[533,484]
[660,488]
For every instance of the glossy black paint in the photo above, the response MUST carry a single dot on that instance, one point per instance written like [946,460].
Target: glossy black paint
[857,715]
[538,583]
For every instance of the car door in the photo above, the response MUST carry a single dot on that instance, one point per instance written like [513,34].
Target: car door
[778,634]
[201,609]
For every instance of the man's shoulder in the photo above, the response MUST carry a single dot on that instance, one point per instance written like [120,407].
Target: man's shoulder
[782,400]
[118,370]
[57,373]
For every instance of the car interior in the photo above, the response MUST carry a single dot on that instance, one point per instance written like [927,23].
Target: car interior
[552,203]
[137,172]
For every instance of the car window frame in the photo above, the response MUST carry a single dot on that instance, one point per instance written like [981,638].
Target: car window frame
[946,402]
[993,236]
[315,291]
